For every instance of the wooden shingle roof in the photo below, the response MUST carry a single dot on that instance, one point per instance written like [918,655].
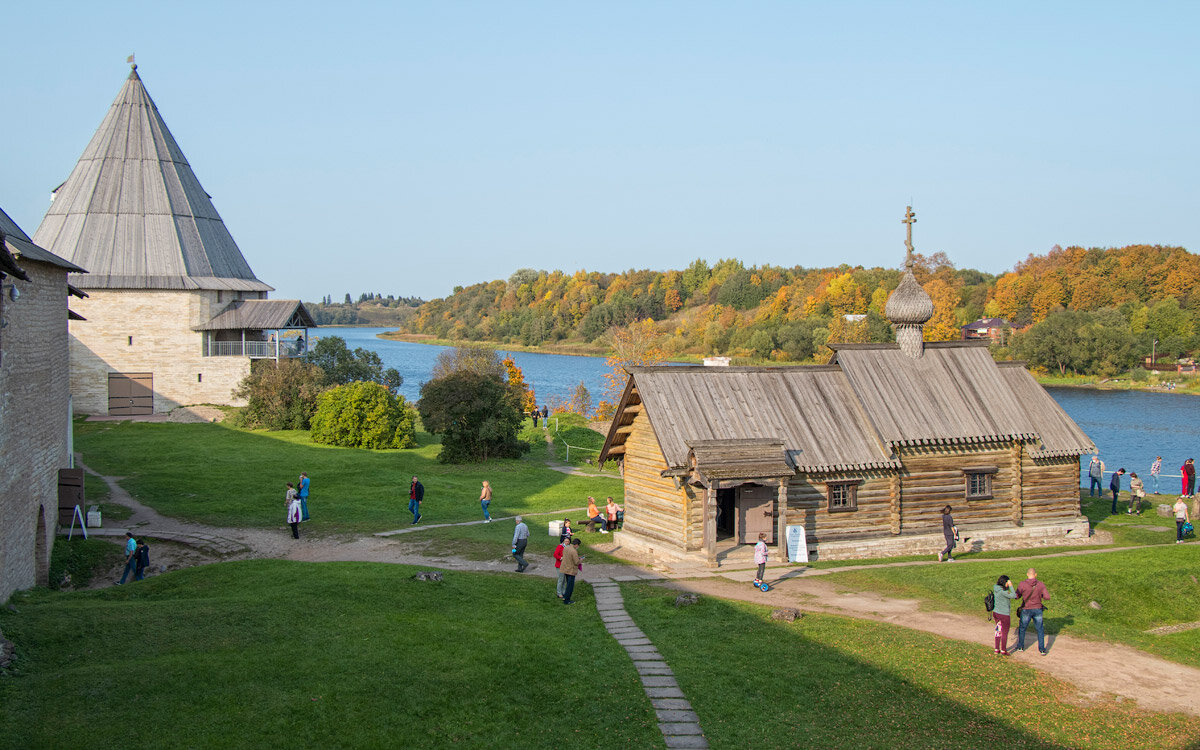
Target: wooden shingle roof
[260,314]
[954,393]
[850,415]
[1058,434]
[21,247]
[133,213]
[810,409]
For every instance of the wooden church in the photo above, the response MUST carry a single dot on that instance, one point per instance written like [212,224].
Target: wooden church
[175,315]
[862,453]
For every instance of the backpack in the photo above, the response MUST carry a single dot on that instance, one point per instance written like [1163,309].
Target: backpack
[989,601]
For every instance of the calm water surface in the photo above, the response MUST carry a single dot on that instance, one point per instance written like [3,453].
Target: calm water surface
[1129,427]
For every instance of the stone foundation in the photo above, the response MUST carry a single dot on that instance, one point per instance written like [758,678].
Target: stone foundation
[1068,532]
[1063,533]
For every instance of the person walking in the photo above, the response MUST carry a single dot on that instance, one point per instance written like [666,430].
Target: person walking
[1181,517]
[293,511]
[1115,486]
[416,493]
[143,560]
[130,557]
[485,500]
[519,542]
[760,558]
[1137,490]
[1189,477]
[1155,469]
[1096,475]
[950,532]
[558,556]
[571,565]
[1003,593]
[302,493]
[1033,595]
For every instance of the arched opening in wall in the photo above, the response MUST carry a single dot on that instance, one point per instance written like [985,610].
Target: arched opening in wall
[41,554]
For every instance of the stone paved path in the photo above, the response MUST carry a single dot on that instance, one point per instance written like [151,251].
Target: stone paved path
[676,720]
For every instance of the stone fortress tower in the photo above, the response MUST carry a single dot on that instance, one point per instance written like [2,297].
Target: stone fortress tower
[174,314]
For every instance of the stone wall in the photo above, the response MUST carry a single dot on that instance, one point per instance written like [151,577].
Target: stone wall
[34,421]
[150,331]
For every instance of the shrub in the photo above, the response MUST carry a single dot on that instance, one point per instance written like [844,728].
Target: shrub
[280,396]
[477,415]
[363,415]
[1139,374]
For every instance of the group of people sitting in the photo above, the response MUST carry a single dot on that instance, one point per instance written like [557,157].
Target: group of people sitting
[611,520]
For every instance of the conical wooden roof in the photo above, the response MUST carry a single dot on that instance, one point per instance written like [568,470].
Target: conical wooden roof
[133,213]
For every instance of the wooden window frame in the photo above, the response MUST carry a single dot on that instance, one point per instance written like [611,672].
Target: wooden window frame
[979,473]
[851,488]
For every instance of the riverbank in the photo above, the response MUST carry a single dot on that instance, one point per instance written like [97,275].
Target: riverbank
[1181,383]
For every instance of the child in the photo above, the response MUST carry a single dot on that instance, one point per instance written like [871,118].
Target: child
[760,557]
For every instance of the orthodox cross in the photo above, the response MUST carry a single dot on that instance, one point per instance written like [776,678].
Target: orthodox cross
[909,218]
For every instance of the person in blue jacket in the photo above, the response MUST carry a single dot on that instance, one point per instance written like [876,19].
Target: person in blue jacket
[302,493]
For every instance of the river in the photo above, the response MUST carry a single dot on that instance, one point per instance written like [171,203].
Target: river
[1129,427]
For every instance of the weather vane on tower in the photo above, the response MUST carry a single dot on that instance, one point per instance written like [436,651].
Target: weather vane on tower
[909,218]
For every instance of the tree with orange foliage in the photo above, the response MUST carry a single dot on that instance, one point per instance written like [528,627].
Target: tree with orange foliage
[516,382]
[943,326]
[634,345]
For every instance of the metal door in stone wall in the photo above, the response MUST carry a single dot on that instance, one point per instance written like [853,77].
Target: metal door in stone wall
[130,393]
[755,513]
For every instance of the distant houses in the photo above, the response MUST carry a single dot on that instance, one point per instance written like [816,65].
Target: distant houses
[175,315]
[35,410]
[994,330]
[862,453]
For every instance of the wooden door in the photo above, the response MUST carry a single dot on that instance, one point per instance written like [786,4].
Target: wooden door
[756,513]
[130,393]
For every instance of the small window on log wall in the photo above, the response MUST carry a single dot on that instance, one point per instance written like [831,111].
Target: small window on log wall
[843,496]
[979,482]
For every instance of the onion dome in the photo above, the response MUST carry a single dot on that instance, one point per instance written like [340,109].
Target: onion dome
[909,304]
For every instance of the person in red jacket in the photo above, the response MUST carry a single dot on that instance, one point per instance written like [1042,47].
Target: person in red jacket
[1189,477]
[558,553]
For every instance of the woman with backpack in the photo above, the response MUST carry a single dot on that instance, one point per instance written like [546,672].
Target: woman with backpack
[1002,595]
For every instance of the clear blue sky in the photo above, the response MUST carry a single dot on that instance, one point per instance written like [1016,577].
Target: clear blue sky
[405,148]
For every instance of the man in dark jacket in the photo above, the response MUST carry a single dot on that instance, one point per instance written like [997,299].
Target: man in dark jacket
[143,560]
[416,493]
[1115,486]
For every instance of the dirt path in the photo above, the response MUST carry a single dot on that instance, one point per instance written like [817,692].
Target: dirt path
[1094,668]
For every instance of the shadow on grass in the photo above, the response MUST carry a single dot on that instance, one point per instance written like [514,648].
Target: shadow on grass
[222,475]
[831,682]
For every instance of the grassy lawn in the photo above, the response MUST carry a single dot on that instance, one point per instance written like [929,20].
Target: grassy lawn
[830,682]
[242,655]
[226,476]
[1136,589]
[83,559]
[577,444]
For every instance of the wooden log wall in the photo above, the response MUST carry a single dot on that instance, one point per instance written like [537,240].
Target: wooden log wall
[808,504]
[1051,488]
[654,507]
[933,478]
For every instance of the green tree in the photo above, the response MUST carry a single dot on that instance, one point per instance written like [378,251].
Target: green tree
[482,360]
[342,366]
[364,415]
[476,414]
[280,396]
[762,344]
